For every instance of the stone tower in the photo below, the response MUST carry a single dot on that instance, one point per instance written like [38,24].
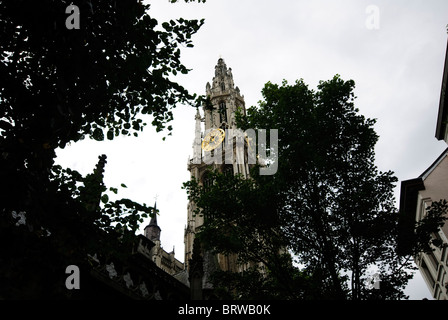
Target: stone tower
[163,259]
[223,100]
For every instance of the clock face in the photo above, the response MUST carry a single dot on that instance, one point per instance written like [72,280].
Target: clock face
[213,139]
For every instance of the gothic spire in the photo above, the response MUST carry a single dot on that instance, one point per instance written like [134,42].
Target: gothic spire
[153,221]
[152,230]
[197,153]
[223,99]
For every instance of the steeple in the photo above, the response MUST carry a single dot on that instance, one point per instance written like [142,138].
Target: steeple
[197,140]
[152,230]
[224,99]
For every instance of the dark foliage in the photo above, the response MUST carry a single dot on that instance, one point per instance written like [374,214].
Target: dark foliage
[57,86]
[328,205]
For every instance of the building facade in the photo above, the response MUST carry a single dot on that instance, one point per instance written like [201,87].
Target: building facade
[416,195]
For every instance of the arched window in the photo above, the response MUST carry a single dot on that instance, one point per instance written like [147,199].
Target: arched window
[222,112]
[223,86]
[207,181]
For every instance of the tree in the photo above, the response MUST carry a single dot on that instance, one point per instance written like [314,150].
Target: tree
[240,219]
[59,85]
[328,203]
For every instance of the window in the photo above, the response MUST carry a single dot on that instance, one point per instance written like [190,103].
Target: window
[427,273]
[228,170]
[443,255]
[222,112]
[433,260]
[446,257]
[207,181]
[424,205]
[223,86]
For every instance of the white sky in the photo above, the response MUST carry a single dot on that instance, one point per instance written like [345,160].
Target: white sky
[397,69]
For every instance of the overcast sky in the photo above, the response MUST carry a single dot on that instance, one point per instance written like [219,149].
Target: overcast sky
[396,62]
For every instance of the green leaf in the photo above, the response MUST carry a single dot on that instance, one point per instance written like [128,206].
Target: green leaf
[98,134]
[110,135]
[104,198]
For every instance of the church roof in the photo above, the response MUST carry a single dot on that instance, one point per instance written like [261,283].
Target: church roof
[153,221]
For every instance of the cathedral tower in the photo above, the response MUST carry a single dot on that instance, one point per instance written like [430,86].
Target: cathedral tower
[218,115]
